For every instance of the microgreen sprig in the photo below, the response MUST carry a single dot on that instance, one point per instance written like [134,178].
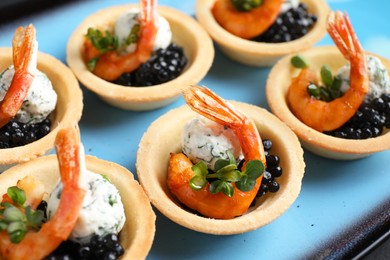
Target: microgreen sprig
[17,219]
[299,62]
[226,173]
[103,42]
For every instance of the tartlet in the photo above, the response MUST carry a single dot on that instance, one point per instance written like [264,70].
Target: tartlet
[163,137]
[186,32]
[137,234]
[319,143]
[67,112]
[257,53]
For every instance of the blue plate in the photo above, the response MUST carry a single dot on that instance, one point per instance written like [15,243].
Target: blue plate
[344,206]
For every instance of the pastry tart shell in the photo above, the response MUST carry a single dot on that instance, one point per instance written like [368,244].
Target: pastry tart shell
[138,232]
[164,136]
[186,32]
[321,144]
[258,53]
[67,111]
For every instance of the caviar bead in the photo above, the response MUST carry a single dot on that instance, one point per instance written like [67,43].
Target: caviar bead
[275,171]
[272,160]
[119,250]
[267,143]
[262,190]
[110,256]
[111,240]
[97,241]
[267,177]
[387,122]
[84,252]
[274,186]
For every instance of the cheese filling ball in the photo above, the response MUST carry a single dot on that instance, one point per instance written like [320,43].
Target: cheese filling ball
[207,141]
[102,210]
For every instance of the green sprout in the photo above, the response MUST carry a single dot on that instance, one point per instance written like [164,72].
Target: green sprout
[299,62]
[103,42]
[12,218]
[226,173]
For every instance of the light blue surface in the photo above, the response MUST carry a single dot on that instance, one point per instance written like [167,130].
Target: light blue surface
[334,194]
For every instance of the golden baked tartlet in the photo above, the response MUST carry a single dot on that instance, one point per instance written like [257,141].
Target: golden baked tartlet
[186,32]
[163,139]
[137,234]
[255,53]
[67,111]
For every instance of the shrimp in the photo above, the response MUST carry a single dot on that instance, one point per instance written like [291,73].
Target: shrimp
[24,53]
[208,104]
[37,245]
[327,116]
[110,65]
[246,24]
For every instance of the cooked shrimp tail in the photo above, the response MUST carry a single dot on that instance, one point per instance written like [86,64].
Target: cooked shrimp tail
[148,29]
[25,49]
[328,116]
[342,33]
[38,244]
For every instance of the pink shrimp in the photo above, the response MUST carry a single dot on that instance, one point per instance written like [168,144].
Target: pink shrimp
[327,116]
[24,48]
[110,65]
[208,104]
[246,24]
[37,245]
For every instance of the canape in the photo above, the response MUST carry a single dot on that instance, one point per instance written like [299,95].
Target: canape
[92,225]
[350,122]
[255,51]
[186,33]
[160,157]
[30,131]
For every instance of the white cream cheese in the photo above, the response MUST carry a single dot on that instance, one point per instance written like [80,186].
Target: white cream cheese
[102,210]
[125,23]
[379,80]
[205,140]
[287,4]
[40,101]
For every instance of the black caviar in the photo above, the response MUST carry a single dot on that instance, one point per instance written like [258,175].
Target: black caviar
[272,171]
[289,26]
[101,247]
[15,133]
[369,121]
[164,65]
